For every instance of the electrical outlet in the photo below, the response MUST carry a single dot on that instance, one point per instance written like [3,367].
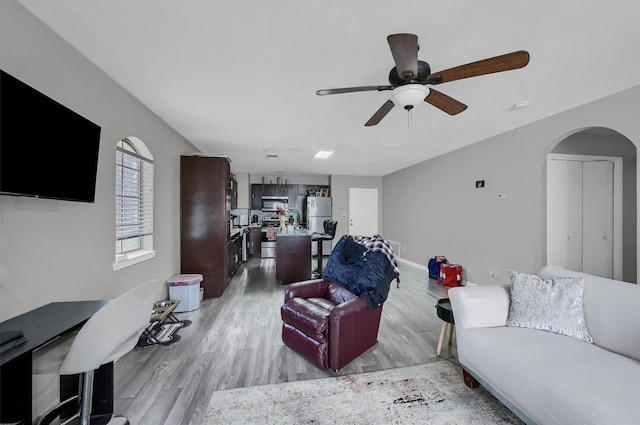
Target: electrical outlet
[502,196]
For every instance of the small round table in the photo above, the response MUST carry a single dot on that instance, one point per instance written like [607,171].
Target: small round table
[444,312]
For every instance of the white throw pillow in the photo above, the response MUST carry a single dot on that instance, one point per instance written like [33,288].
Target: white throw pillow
[553,305]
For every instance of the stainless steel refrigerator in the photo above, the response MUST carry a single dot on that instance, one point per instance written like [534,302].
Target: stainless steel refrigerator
[318,210]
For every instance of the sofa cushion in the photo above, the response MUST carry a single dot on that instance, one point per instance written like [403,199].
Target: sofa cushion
[611,310]
[553,305]
[552,378]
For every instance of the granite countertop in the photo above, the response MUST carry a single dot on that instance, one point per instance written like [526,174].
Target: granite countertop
[301,232]
[237,230]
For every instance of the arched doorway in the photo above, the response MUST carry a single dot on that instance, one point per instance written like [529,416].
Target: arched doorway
[594,144]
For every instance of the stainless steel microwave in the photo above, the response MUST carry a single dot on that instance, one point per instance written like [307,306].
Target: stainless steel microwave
[272,203]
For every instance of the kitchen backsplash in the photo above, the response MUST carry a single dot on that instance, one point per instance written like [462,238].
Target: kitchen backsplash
[245,216]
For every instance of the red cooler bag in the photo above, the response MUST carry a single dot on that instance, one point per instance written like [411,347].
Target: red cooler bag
[450,275]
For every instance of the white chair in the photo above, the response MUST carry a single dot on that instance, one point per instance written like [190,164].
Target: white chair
[109,334]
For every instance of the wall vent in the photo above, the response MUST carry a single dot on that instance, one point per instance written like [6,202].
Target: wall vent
[396,246]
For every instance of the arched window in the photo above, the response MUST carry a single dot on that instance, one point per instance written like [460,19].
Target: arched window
[134,203]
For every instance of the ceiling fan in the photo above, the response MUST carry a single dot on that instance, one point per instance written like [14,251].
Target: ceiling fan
[408,79]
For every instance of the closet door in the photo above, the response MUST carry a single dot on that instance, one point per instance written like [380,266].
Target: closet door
[564,214]
[597,218]
[580,215]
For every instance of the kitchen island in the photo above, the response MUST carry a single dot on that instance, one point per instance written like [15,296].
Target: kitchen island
[293,256]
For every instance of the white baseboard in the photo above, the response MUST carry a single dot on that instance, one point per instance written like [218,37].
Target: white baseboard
[426,269]
[411,263]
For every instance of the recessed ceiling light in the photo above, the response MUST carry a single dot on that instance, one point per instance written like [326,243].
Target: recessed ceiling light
[323,154]
[272,156]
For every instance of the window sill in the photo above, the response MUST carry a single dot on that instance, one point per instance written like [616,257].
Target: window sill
[130,259]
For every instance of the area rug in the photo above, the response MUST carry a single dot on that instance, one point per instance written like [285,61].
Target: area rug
[432,393]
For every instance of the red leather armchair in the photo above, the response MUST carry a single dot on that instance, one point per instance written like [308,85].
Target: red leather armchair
[327,324]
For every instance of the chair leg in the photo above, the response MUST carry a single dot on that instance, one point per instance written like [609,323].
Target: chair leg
[87,396]
[317,273]
[320,243]
[443,332]
[451,333]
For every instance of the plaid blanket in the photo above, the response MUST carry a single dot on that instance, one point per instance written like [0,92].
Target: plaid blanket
[377,243]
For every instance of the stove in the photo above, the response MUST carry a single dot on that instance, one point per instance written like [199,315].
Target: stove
[271,221]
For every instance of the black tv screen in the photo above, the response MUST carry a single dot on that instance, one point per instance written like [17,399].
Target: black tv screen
[46,149]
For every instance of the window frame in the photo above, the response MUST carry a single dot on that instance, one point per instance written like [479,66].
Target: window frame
[137,151]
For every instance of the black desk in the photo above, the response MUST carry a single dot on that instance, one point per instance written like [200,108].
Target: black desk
[39,326]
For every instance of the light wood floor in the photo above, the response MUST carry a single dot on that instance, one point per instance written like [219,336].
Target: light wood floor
[235,341]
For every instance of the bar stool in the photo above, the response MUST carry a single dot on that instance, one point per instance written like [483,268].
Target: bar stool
[444,312]
[328,235]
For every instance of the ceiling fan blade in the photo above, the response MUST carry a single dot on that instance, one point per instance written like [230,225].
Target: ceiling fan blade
[325,92]
[444,102]
[501,63]
[380,113]
[404,48]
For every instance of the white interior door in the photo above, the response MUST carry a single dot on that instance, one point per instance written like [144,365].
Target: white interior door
[363,211]
[584,219]
[564,217]
[597,218]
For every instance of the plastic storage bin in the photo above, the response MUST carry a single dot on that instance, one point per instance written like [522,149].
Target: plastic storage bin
[186,288]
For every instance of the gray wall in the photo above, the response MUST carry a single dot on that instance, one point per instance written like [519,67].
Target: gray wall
[433,208]
[54,250]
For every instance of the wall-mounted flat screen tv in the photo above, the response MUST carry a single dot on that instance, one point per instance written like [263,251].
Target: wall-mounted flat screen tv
[46,149]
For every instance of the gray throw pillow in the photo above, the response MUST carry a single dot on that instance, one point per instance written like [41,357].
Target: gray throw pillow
[553,305]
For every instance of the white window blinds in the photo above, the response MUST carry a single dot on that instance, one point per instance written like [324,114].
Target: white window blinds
[134,195]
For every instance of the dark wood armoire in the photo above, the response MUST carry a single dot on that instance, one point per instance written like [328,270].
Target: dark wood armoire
[205,200]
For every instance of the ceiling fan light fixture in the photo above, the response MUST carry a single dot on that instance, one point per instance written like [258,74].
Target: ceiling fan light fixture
[409,95]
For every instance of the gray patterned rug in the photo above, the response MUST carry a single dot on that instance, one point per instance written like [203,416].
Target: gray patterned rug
[432,393]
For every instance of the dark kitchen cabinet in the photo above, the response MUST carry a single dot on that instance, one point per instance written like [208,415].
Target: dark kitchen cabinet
[234,252]
[293,258]
[275,190]
[253,241]
[256,196]
[234,192]
[293,195]
[205,202]
[309,189]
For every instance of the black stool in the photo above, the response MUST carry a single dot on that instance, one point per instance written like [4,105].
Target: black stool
[444,312]
[328,235]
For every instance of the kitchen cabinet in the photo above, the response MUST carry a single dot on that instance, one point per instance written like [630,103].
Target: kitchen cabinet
[293,196]
[234,252]
[234,192]
[244,190]
[253,241]
[256,196]
[305,189]
[293,257]
[291,191]
[205,203]
[275,190]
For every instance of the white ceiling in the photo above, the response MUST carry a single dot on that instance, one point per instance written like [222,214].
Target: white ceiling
[239,77]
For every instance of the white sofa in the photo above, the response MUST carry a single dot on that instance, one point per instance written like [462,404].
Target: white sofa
[548,378]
